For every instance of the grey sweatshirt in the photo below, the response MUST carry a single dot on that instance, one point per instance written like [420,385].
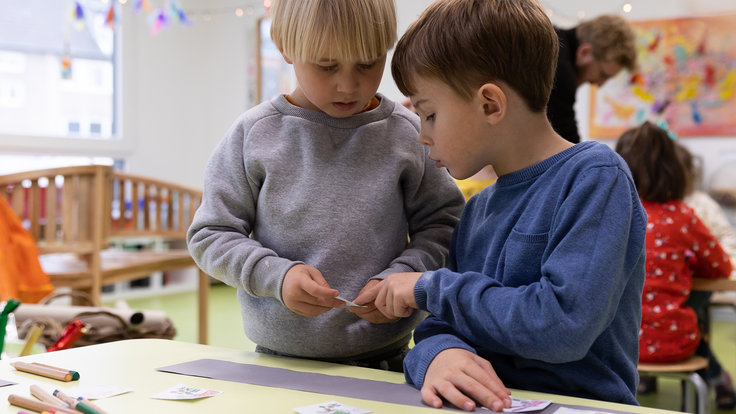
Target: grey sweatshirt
[354,197]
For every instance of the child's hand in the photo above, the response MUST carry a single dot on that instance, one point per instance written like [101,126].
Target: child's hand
[395,298]
[306,292]
[366,297]
[462,378]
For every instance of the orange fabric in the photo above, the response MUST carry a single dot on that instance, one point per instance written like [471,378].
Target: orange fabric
[21,275]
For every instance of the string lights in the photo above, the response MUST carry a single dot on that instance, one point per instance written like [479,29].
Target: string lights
[161,13]
[565,19]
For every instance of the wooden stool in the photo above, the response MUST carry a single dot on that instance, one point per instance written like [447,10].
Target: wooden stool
[686,372]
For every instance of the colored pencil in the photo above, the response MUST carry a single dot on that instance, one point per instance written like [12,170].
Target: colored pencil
[35,405]
[46,371]
[74,403]
[45,396]
[32,337]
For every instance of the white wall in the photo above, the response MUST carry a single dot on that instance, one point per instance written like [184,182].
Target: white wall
[184,87]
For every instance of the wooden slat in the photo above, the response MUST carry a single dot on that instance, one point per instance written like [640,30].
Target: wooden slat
[18,202]
[69,227]
[34,209]
[51,212]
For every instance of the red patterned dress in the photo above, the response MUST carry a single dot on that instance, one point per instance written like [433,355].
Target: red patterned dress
[678,246]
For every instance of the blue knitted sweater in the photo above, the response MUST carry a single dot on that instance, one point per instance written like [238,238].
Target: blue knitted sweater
[545,279]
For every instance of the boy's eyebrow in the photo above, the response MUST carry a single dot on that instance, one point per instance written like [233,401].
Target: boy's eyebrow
[419,103]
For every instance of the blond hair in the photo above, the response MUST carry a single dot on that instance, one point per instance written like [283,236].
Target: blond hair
[612,39]
[467,43]
[349,30]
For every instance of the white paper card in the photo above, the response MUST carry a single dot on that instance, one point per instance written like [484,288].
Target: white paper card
[330,407]
[185,392]
[521,405]
[567,410]
[97,392]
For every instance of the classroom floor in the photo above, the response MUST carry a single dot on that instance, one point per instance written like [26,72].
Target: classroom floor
[225,330]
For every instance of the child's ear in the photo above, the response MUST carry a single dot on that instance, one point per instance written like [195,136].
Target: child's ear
[584,55]
[494,102]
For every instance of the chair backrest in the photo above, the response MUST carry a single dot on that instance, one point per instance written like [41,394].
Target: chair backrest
[63,208]
[80,209]
[144,207]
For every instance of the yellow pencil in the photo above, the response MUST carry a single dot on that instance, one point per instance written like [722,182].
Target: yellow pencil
[32,335]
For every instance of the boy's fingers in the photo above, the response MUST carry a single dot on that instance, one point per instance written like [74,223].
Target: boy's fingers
[430,397]
[367,296]
[324,293]
[308,309]
[455,397]
[486,397]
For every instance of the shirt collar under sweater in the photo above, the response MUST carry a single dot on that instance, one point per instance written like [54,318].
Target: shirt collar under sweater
[539,168]
[384,109]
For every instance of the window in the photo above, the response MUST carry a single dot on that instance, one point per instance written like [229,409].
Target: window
[57,71]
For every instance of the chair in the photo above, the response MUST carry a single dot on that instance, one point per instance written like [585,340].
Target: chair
[76,214]
[686,372]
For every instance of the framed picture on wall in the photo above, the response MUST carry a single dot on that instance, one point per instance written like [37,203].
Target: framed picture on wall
[274,75]
[686,76]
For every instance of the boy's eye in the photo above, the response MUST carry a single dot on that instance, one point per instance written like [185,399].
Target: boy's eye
[367,65]
[429,117]
[327,68]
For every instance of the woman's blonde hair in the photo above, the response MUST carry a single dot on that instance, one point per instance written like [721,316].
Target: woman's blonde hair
[349,30]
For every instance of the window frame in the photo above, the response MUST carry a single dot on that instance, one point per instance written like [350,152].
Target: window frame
[117,145]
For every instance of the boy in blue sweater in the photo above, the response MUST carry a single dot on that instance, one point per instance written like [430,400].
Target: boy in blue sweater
[543,290]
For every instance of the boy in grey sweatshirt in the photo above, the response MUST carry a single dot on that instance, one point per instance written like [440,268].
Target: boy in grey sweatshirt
[324,192]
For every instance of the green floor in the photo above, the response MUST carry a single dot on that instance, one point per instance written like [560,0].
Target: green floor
[225,330]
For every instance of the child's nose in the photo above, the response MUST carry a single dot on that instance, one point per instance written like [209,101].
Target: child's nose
[424,139]
[347,82]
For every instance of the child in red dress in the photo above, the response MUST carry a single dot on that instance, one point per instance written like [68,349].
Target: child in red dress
[678,246]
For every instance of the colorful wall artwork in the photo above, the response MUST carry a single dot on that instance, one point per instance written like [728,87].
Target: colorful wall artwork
[686,76]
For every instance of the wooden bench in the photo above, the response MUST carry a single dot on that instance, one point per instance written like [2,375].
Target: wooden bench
[76,214]
[686,372]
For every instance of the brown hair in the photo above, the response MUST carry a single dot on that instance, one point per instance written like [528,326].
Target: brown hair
[467,43]
[355,30]
[612,39]
[693,168]
[654,163]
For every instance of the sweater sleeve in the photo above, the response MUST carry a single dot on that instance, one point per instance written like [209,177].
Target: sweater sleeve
[431,337]
[219,236]
[595,241]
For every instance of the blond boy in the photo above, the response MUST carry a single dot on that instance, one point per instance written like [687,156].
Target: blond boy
[323,192]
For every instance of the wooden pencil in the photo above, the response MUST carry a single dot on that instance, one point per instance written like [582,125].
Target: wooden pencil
[45,396]
[35,405]
[44,370]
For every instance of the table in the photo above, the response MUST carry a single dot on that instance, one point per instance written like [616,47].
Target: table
[723,284]
[133,363]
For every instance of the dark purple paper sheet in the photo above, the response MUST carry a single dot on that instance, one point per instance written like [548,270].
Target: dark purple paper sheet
[371,390]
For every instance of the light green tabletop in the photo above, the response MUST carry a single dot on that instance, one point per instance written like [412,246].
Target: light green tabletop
[133,364]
